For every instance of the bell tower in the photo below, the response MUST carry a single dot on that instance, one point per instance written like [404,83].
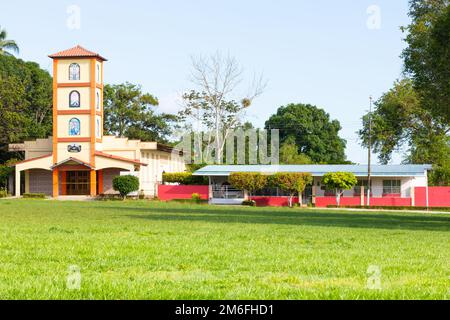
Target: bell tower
[77,109]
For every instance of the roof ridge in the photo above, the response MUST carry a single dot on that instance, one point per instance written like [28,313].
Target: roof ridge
[76,52]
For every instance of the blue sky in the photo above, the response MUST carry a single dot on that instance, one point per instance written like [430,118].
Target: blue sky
[318,52]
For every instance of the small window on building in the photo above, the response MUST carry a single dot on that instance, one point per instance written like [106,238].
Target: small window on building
[74,99]
[361,183]
[98,128]
[98,73]
[391,187]
[74,71]
[97,101]
[74,127]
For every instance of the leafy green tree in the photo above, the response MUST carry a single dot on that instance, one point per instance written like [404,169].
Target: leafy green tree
[339,181]
[315,135]
[400,118]
[427,56]
[25,103]
[289,153]
[249,181]
[292,183]
[416,111]
[125,185]
[5,170]
[130,113]
[7,45]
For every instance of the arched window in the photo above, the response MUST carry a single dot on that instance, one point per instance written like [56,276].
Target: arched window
[97,101]
[74,71]
[98,128]
[74,99]
[74,127]
[98,73]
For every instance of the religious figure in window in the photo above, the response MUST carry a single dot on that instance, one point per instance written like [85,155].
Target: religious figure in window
[74,71]
[74,99]
[74,127]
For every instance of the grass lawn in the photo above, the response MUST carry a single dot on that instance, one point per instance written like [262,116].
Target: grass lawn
[152,250]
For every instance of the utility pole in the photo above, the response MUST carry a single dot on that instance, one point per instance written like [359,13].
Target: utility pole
[369,169]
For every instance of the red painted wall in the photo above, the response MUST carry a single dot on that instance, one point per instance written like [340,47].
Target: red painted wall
[167,192]
[323,202]
[273,201]
[390,201]
[437,196]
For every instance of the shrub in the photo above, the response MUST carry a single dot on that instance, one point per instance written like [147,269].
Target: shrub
[185,178]
[196,197]
[141,195]
[3,193]
[125,185]
[34,195]
[250,203]
[249,181]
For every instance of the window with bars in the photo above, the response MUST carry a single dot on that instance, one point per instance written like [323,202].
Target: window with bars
[391,187]
[361,183]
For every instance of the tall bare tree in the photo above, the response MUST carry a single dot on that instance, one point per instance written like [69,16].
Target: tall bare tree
[213,104]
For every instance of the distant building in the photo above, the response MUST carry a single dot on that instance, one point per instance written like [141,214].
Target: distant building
[390,184]
[78,159]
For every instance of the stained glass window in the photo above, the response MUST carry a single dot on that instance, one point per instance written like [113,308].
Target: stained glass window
[74,99]
[74,127]
[74,71]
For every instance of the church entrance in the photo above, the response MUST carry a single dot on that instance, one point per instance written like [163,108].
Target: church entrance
[78,183]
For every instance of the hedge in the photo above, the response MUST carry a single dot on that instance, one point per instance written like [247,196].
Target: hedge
[393,208]
[184,178]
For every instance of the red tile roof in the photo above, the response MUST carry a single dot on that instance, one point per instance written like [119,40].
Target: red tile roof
[77,52]
[110,156]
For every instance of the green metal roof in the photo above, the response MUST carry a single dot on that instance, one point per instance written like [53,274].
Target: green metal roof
[318,170]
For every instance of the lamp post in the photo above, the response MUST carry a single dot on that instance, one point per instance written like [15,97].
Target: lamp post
[369,169]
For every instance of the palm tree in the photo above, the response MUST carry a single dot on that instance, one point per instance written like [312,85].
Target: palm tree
[7,44]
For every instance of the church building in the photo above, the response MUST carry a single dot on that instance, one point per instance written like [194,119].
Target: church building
[78,159]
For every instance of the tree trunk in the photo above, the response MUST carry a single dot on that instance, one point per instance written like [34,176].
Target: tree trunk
[338,198]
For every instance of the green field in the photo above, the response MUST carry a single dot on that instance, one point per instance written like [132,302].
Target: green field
[153,250]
